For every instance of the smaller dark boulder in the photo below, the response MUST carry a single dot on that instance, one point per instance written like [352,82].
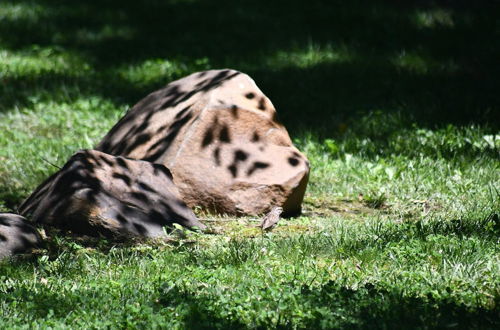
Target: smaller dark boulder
[99,194]
[16,235]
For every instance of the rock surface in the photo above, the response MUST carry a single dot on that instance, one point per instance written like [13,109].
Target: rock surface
[96,193]
[218,134]
[16,235]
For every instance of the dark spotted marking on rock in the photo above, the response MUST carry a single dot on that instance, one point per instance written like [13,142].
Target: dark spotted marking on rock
[182,112]
[122,177]
[90,195]
[122,163]
[262,104]
[140,196]
[158,168]
[217,156]
[257,166]
[201,83]
[216,81]
[233,169]
[4,222]
[163,144]
[157,216]
[255,137]
[207,138]
[210,132]
[293,161]
[107,161]
[240,155]
[146,187]
[169,97]
[140,229]
[142,127]
[181,121]
[128,209]
[161,128]
[139,140]
[118,148]
[234,111]
[121,218]
[172,96]
[224,135]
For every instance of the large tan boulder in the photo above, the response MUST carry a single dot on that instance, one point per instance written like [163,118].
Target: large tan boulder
[218,134]
[16,235]
[95,193]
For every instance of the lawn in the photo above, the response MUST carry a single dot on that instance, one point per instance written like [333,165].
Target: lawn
[395,103]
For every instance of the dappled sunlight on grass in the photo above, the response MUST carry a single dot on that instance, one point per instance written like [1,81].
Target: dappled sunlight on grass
[45,134]
[104,33]
[392,102]
[415,63]
[158,71]
[31,12]
[406,172]
[39,61]
[434,18]
[150,71]
[309,57]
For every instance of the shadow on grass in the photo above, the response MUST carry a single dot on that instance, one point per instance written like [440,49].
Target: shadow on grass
[326,307]
[333,306]
[435,63]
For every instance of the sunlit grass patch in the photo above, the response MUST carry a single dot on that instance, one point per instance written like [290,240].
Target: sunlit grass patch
[435,17]
[381,257]
[36,140]
[158,71]
[25,11]
[40,61]
[309,57]
[150,71]
[404,170]
[105,32]
[414,62]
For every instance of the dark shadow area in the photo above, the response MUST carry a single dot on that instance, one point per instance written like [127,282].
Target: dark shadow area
[434,61]
[375,308]
[336,307]
[45,301]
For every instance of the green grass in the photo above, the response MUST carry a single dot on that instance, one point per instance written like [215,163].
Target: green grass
[395,104]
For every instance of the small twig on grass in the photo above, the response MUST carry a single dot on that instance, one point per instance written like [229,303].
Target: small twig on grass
[59,168]
[226,220]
